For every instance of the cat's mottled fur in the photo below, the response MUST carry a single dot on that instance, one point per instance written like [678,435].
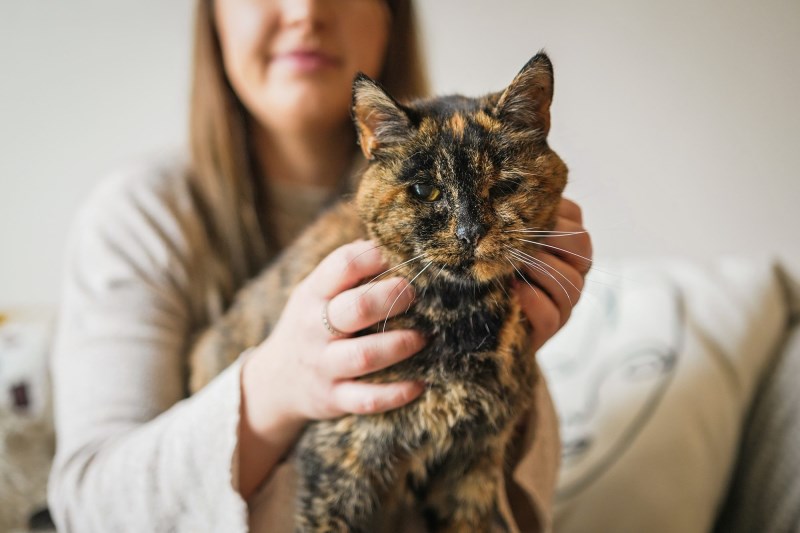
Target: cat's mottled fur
[457,180]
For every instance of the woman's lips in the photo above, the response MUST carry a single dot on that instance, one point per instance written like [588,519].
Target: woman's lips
[306,60]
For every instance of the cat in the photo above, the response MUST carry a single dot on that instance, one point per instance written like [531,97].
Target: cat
[457,181]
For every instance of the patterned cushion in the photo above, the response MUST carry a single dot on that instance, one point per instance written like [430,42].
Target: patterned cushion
[652,378]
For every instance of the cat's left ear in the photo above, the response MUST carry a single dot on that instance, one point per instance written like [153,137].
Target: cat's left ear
[380,120]
[525,104]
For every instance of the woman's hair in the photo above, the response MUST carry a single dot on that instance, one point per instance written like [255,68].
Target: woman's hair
[223,170]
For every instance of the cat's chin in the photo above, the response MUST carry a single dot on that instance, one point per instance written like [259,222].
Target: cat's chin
[472,272]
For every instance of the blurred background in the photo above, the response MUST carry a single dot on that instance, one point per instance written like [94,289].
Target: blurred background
[679,120]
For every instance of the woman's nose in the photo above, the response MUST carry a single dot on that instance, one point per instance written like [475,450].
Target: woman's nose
[302,12]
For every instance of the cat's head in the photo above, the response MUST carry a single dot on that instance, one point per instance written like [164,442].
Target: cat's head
[457,182]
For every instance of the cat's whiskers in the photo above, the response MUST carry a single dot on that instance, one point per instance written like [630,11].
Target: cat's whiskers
[496,283]
[392,269]
[544,233]
[375,248]
[550,234]
[368,286]
[546,265]
[425,291]
[502,288]
[398,243]
[438,273]
[587,280]
[523,278]
[538,268]
[388,313]
[590,263]
[586,259]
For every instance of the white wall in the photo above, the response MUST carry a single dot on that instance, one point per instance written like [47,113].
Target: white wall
[679,120]
[84,86]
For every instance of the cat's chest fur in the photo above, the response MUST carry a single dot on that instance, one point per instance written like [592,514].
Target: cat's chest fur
[472,330]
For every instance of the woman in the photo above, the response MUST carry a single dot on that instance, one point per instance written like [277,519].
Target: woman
[159,251]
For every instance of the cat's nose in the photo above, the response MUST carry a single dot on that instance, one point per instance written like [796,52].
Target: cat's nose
[470,233]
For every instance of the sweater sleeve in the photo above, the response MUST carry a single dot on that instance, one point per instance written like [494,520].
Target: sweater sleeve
[530,491]
[132,453]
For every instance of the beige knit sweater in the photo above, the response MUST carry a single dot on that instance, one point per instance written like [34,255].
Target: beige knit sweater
[133,454]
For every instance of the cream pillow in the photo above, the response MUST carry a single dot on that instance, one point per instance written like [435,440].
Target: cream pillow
[652,377]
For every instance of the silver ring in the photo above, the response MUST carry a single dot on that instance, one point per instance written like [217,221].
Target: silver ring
[327,323]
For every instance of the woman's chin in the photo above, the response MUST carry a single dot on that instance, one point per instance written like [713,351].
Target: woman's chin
[304,106]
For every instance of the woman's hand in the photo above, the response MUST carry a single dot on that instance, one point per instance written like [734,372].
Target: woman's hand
[313,371]
[556,287]
[310,372]
[303,372]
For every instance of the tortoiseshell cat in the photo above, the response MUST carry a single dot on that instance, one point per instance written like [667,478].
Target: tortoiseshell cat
[456,181]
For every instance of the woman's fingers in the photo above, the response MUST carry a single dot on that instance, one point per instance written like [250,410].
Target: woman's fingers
[576,246]
[555,269]
[344,268]
[542,312]
[557,280]
[356,357]
[356,309]
[368,398]
[570,210]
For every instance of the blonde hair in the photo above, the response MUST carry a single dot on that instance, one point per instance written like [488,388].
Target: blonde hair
[223,171]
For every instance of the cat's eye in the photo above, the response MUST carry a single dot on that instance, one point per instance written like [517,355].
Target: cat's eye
[504,187]
[426,192]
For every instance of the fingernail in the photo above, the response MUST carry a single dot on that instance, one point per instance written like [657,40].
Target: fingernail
[411,294]
[407,292]
[422,340]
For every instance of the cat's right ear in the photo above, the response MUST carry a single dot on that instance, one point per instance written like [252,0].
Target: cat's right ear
[525,104]
[379,119]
